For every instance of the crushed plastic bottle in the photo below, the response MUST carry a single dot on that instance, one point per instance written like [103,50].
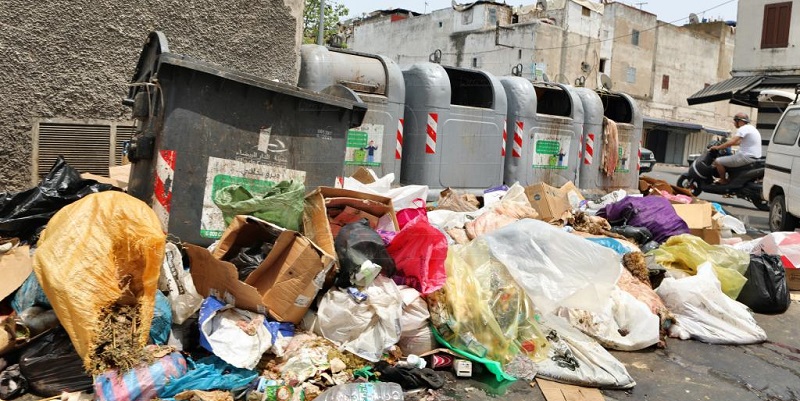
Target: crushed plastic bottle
[372,391]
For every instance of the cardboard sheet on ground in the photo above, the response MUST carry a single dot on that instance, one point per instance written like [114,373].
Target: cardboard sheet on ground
[15,266]
[554,391]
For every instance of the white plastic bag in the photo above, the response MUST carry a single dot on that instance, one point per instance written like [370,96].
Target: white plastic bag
[178,285]
[625,323]
[786,244]
[366,328]
[237,336]
[416,337]
[733,224]
[402,197]
[575,358]
[556,268]
[703,312]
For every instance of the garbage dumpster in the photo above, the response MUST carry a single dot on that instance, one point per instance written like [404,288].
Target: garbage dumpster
[378,142]
[622,109]
[454,119]
[203,128]
[545,128]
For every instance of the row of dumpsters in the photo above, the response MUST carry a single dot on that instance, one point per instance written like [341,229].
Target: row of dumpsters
[203,127]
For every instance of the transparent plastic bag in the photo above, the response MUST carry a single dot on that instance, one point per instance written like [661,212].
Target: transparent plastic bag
[688,252]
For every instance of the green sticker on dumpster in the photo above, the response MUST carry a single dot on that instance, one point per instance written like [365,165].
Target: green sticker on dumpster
[550,150]
[547,147]
[356,139]
[363,145]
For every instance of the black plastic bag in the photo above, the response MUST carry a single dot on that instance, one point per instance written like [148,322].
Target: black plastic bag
[765,290]
[248,259]
[23,214]
[12,383]
[640,235]
[355,244]
[52,366]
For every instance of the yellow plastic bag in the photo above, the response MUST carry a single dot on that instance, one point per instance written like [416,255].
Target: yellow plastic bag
[101,251]
[490,316]
[687,252]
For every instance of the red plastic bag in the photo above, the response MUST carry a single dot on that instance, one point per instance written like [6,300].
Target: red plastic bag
[405,216]
[419,251]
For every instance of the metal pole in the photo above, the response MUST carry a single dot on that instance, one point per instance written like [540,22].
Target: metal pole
[321,22]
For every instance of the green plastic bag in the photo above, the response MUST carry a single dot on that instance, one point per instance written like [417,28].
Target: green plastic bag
[281,205]
[687,252]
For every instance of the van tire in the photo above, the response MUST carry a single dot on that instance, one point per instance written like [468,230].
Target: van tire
[779,217]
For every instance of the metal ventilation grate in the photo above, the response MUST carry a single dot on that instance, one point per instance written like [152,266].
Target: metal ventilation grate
[91,147]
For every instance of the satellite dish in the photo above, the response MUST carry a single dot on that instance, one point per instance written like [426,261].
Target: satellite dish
[693,19]
[605,81]
[585,67]
[545,78]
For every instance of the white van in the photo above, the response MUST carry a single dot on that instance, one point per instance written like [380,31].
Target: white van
[781,187]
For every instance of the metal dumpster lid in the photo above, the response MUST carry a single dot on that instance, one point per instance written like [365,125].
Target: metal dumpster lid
[156,52]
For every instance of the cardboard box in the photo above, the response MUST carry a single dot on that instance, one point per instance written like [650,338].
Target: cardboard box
[15,267]
[700,217]
[315,217]
[793,279]
[552,202]
[283,286]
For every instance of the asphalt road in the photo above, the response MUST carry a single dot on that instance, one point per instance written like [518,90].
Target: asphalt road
[755,220]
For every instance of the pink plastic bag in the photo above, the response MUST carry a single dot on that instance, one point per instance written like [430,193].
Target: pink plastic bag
[419,251]
[404,216]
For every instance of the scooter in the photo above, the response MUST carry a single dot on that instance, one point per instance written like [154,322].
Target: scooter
[743,182]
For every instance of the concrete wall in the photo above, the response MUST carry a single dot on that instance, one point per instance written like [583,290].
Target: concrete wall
[625,55]
[749,56]
[73,58]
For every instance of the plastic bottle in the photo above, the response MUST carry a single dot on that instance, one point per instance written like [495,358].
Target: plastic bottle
[372,391]
[413,361]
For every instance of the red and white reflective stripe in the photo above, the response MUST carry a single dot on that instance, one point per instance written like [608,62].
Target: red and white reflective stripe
[516,151]
[162,192]
[398,150]
[588,156]
[505,137]
[639,159]
[433,125]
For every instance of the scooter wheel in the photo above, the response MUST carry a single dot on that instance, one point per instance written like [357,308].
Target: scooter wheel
[687,183]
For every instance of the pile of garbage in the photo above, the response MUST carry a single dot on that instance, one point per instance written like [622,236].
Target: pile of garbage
[366,291]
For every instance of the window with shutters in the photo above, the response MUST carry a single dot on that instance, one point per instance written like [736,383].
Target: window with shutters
[88,146]
[635,37]
[775,28]
[665,82]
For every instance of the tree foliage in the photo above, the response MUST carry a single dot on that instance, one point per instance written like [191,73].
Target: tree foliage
[334,11]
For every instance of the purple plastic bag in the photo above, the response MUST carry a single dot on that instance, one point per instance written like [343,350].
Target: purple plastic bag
[652,212]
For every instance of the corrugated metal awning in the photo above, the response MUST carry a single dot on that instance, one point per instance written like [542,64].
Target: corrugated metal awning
[672,124]
[725,90]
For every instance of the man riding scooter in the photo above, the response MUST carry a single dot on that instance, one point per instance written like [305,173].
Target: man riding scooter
[747,138]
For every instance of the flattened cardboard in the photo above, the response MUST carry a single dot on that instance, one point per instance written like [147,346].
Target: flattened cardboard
[551,202]
[554,391]
[792,279]
[100,179]
[120,173]
[315,217]
[15,267]
[696,215]
[282,286]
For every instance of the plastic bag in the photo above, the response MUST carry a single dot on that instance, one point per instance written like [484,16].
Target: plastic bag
[688,252]
[237,336]
[416,337]
[357,243]
[704,313]
[142,383]
[652,212]
[178,285]
[52,366]
[512,207]
[403,197]
[210,373]
[22,214]
[419,251]
[162,320]
[625,323]
[555,268]
[364,328]
[765,290]
[29,294]
[482,310]
[363,391]
[575,358]
[281,205]
[784,244]
[115,262]
[404,216]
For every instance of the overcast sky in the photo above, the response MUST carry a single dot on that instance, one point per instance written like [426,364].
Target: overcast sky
[675,11]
